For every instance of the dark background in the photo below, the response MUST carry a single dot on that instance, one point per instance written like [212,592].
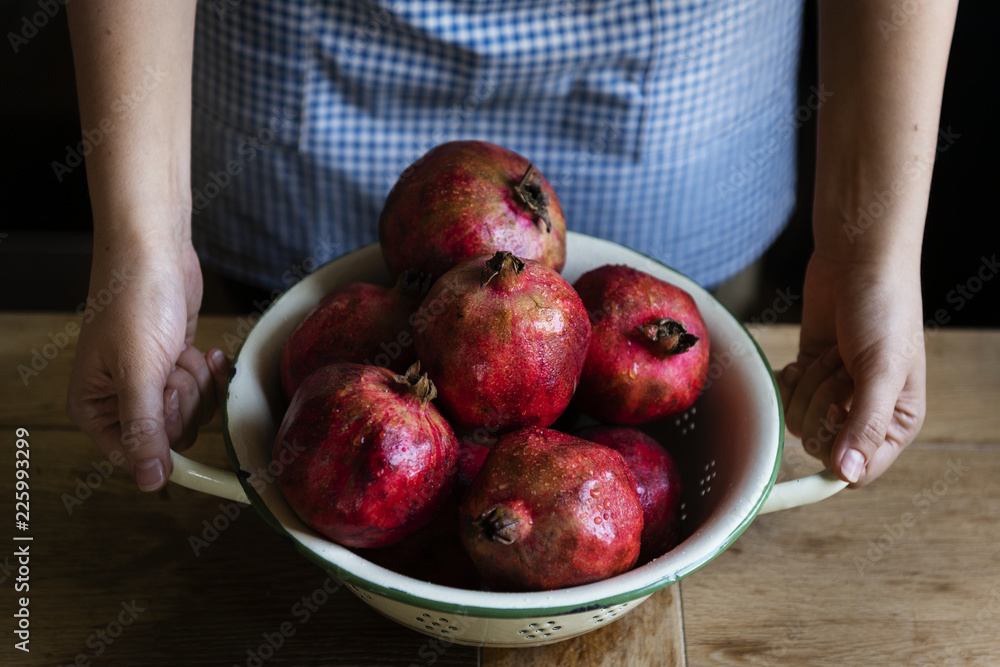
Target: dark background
[45,224]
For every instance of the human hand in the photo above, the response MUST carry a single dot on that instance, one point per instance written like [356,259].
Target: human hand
[857,392]
[138,386]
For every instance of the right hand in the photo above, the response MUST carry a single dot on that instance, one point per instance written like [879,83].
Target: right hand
[138,385]
[856,395]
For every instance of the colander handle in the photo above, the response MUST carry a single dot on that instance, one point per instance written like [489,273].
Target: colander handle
[803,491]
[206,478]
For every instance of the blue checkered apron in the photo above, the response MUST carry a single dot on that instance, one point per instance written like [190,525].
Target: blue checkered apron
[667,126]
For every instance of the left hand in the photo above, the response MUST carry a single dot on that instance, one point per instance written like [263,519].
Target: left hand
[857,392]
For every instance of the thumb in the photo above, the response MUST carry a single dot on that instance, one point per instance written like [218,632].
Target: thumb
[866,425]
[143,435]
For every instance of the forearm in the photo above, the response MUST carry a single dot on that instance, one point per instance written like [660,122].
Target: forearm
[133,69]
[877,135]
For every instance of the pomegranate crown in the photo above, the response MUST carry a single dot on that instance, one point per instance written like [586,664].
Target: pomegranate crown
[531,195]
[669,335]
[504,264]
[413,284]
[499,524]
[418,384]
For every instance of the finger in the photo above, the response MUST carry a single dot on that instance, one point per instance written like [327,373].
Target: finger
[788,379]
[192,361]
[815,374]
[172,422]
[824,415]
[866,424]
[94,409]
[189,408]
[878,463]
[141,425]
[907,419]
[220,366]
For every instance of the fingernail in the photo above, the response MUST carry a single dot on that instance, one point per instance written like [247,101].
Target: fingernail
[832,414]
[184,347]
[852,464]
[173,405]
[218,359]
[149,474]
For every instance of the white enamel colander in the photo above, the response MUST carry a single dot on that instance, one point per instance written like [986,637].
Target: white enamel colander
[728,448]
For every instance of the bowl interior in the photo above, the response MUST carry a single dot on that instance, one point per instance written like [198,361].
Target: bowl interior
[728,445]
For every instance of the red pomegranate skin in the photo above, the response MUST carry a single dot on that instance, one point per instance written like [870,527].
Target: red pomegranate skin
[549,510]
[360,323]
[435,553]
[657,480]
[364,457]
[470,460]
[462,199]
[505,354]
[629,378]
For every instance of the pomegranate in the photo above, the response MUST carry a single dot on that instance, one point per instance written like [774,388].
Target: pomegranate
[648,356]
[361,323]
[550,510]
[364,457]
[434,553]
[504,340]
[465,198]
[470,461]
[657,480]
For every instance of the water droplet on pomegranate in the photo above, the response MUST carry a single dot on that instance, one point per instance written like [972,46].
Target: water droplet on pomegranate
[598,520]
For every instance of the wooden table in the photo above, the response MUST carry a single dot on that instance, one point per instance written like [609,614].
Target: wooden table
[903,572]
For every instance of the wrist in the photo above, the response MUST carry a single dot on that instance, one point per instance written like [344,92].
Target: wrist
[842,240]
[155,235]
[144,222]
[866,216]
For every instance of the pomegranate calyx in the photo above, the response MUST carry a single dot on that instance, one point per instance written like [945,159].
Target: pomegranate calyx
[413,284]
[503,264]
[669,335]
[499,524]
[529,192]
[418,384]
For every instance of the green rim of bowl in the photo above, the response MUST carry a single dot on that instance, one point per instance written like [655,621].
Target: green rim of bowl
[493,612]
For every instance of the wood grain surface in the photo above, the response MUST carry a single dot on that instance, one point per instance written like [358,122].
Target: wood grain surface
[212,580]
[652,634]
[903,572]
